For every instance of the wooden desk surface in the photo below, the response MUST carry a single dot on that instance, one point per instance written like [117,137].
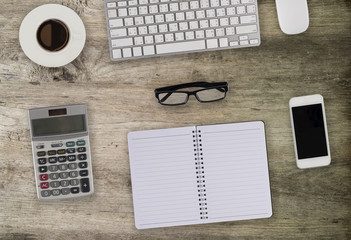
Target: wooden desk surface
[314,204]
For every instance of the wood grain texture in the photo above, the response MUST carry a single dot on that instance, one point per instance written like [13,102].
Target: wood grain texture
[307,204]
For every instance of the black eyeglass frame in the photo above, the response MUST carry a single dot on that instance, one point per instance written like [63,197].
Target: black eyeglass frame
[221,86]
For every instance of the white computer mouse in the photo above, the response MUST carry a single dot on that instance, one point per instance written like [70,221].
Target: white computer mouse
[292,15]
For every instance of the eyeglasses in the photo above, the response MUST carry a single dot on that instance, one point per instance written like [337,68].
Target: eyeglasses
[209,92]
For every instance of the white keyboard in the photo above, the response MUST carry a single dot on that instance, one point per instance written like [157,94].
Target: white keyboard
[147,28]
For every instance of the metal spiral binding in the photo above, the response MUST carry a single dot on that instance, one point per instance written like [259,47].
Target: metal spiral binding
[200,172]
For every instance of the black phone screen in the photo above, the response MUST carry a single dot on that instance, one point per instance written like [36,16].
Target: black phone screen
[309,131]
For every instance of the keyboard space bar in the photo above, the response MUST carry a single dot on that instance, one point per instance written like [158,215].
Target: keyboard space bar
[180,47]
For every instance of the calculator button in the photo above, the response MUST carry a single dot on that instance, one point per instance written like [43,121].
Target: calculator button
[43,177]
[64,183]
[41,154]
[55,184]
[62,158]
[81,143]
[53,168]
[82,156]
[75,190]
[42,160]
[65,191]
[61,151]
[83,164]
[72,166]
[45,193]
[44,185]
[74,182]
[84,184]
[52,152]
[81,149]
[63,167]
[52,159]
[54,176]
[43,169]
[71,150]
[40,146]
[83,173]
[55,192]
[64,175]
[70,144]
[71,157]
[56,145]
[73,174]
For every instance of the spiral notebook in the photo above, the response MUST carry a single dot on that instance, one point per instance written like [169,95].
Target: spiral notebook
[199,174]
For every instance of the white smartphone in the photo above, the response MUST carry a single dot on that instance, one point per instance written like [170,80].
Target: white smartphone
[309,127]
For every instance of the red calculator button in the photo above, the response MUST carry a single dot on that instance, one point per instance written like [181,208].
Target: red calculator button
[44,185]
[43,177]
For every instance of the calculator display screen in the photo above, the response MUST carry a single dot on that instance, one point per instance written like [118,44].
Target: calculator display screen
[58,125]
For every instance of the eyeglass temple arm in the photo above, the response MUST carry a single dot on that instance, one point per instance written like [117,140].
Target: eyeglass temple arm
[193,84]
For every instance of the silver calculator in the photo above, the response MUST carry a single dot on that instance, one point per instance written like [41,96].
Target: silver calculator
[61,152]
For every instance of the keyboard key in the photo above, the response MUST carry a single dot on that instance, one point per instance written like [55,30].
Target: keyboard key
[254,41]
[43,177]
[233,44]
[251,9]
[116,53]
[122,32]
[223,42]
[246,42]
[212,43]
[83,165]
[43,169]
[74,182]
[52,159]
[44,185]
[127,52]
[75,190]
[137,52]
[54,176]
[240,10]
[179,36]
[71,144]
[189,35]
[169,37]
[45,193]
[61,158]
[83,173]
[248,19]
[111,5]
[71,150]
[41,154]
[55,184]
[56,145]
[65,191]
[41,161]
[64,175]
[180,47]
[112,13]
[84,184]
[122,12]
[55,192]
[246,29]
[72,166]
[53,168]
[71,157]
[64,183]
[63,167]
[149,50]
[73,174]
[61,151]
[81,149]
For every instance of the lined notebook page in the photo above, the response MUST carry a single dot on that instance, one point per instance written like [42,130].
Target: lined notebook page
[236,171]
[163,177]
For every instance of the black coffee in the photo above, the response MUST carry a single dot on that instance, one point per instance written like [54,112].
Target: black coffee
[53,35]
